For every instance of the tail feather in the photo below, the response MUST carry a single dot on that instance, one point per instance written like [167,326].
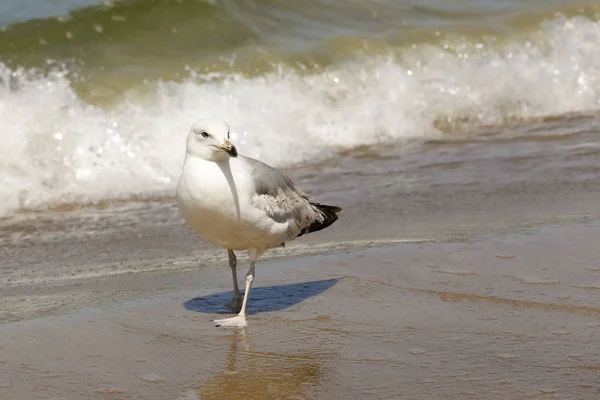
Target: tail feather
[330,214]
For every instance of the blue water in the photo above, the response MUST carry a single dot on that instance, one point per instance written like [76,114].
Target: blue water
[15,11]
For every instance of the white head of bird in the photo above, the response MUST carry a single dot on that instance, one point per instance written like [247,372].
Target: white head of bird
[209,139]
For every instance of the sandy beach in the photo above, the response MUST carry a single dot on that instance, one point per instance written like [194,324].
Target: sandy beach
[512,315]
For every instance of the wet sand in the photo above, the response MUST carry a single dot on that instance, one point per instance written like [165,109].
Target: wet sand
[511,315]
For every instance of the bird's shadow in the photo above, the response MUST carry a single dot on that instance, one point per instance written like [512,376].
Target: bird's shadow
[262,299]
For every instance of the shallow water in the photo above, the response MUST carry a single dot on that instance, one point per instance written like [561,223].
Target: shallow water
[441,189]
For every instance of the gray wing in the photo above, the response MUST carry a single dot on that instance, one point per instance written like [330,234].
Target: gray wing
[277,196]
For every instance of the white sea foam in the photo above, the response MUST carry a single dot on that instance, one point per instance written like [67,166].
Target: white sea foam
[55,147]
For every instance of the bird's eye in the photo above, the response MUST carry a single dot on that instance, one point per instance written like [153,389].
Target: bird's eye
[204,134]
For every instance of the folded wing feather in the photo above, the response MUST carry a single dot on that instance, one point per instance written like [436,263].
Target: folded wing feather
[277,196]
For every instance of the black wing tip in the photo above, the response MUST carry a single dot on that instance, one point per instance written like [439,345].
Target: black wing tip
[327,208]
[330,214]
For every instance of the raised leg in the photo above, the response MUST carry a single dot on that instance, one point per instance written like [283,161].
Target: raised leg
[240,319]
[235,305]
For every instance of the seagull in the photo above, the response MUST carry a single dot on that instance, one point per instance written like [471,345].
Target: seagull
[240,203]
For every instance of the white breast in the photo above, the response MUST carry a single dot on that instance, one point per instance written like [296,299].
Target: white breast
[215,200]
[204,186]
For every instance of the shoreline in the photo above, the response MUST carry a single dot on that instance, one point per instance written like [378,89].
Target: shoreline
[47,290]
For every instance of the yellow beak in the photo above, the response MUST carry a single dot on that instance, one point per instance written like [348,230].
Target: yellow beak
[229,148]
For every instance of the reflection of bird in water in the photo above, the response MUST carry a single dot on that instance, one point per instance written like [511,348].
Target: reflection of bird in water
[240,203]
[252,375]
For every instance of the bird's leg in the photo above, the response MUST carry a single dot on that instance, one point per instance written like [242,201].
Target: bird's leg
[235,304]
[240,319]
[249,280]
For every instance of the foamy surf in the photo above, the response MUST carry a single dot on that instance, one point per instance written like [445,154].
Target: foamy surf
[56,148]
